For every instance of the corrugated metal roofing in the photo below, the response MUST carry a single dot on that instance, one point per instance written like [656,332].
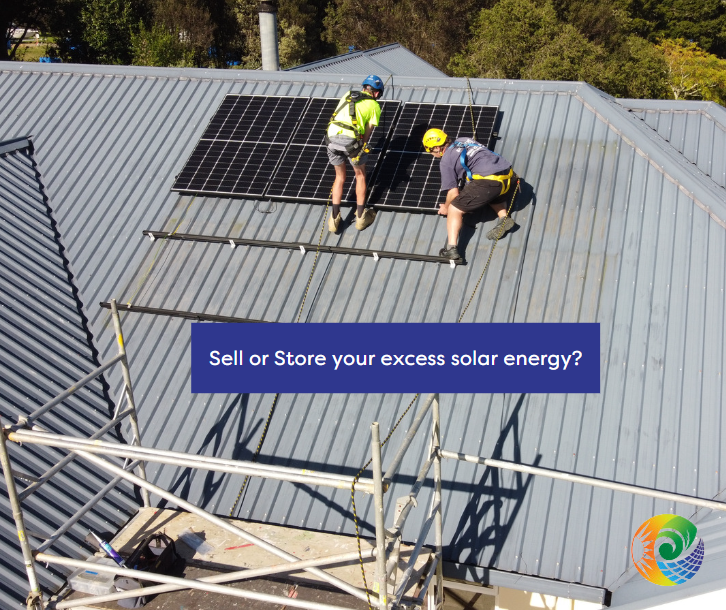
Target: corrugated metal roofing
[391,59]
[615,227]
[696,129]
[44,349]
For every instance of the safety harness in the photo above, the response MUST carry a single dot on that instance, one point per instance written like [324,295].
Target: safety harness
[356,147]
[503,179]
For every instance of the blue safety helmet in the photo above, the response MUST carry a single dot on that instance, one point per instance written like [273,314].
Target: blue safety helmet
[375,82]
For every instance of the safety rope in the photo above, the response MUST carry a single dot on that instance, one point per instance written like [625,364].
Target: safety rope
[471,108]
[491,252]
[274,400]
[257,453]
[355,514]
[302,307]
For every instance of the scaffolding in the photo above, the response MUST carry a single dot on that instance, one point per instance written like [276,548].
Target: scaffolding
[390,589]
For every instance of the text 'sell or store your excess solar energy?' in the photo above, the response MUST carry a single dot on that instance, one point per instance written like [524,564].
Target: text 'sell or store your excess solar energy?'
[273,147]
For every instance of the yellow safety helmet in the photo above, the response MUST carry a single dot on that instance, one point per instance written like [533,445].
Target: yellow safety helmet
[434,137]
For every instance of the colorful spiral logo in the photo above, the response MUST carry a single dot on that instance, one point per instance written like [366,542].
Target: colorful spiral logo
[679,559]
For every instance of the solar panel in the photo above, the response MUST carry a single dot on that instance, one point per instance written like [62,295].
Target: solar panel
[304,173]
[241,146]
[407,178]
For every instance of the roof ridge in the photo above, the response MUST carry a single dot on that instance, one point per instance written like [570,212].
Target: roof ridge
[662,155]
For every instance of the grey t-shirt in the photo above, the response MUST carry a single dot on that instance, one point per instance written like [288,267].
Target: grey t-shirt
[480,160]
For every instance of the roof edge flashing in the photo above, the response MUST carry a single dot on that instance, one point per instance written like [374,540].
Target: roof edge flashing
[14,144]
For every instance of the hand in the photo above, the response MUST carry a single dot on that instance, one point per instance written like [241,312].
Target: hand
[444,209]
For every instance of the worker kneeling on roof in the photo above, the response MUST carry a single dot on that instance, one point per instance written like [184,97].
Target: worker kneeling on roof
[488,178]
[349,130]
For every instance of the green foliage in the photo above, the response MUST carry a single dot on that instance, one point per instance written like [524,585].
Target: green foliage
[527,39]
[188,33]
[299,32]
[160,46]
[693,73]
[433,29]
[107,29]
[700,21]
[506,39]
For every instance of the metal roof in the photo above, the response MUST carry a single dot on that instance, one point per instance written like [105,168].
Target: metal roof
[615,227]
[696,129]
[44,349]
[391,59]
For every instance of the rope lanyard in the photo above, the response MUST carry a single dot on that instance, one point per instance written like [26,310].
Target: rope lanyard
[491,252]
[274,400]
[357,477]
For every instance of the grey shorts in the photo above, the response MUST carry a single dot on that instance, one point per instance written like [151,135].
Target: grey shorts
[338,157]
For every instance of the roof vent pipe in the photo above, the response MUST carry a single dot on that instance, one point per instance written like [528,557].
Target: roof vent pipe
[268,35]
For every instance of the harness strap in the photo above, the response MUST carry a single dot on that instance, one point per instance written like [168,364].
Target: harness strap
[352,99]
[505,180]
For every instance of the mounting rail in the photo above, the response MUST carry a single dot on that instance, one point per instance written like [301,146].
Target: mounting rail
[178,313]
[287,245]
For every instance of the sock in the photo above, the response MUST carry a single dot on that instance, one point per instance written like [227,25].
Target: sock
[336,210]
[449,246]
[359,210]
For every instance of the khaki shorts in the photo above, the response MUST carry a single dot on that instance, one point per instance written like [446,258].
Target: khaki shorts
[338,157]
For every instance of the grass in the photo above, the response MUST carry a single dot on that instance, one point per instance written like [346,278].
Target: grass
[31,52]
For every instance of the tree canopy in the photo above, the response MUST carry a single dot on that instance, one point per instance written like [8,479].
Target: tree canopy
[630,48]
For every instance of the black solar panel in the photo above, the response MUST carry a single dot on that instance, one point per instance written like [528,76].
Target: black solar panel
[260,146]
[242,145]
[407,177]
[229,168]
[255,118]
[304,172]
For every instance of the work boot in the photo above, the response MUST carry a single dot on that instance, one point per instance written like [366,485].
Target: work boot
[334,223]
[503,225]
[450,252]
[365,220]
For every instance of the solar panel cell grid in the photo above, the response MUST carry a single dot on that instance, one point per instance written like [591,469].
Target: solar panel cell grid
[255,119]
[305,174]
[407,177]
[456,121]
[407,181]
[230,168]
[274,146]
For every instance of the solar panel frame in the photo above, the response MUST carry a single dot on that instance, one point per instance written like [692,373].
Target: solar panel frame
[235,141]
[304,173]
[407,178]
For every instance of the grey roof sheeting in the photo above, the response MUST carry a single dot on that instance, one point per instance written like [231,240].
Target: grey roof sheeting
[44,349]
[391,59]
[615,226]
[696,129]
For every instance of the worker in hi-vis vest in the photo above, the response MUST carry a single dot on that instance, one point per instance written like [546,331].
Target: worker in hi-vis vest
[488,180]
[357,113]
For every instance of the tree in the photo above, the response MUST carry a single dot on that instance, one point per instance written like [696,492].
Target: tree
[700,21]
[432,29]
[693,73]
[17,17]
[188,33]
[108,26]
[299,32]
[525,39]
[506,40]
